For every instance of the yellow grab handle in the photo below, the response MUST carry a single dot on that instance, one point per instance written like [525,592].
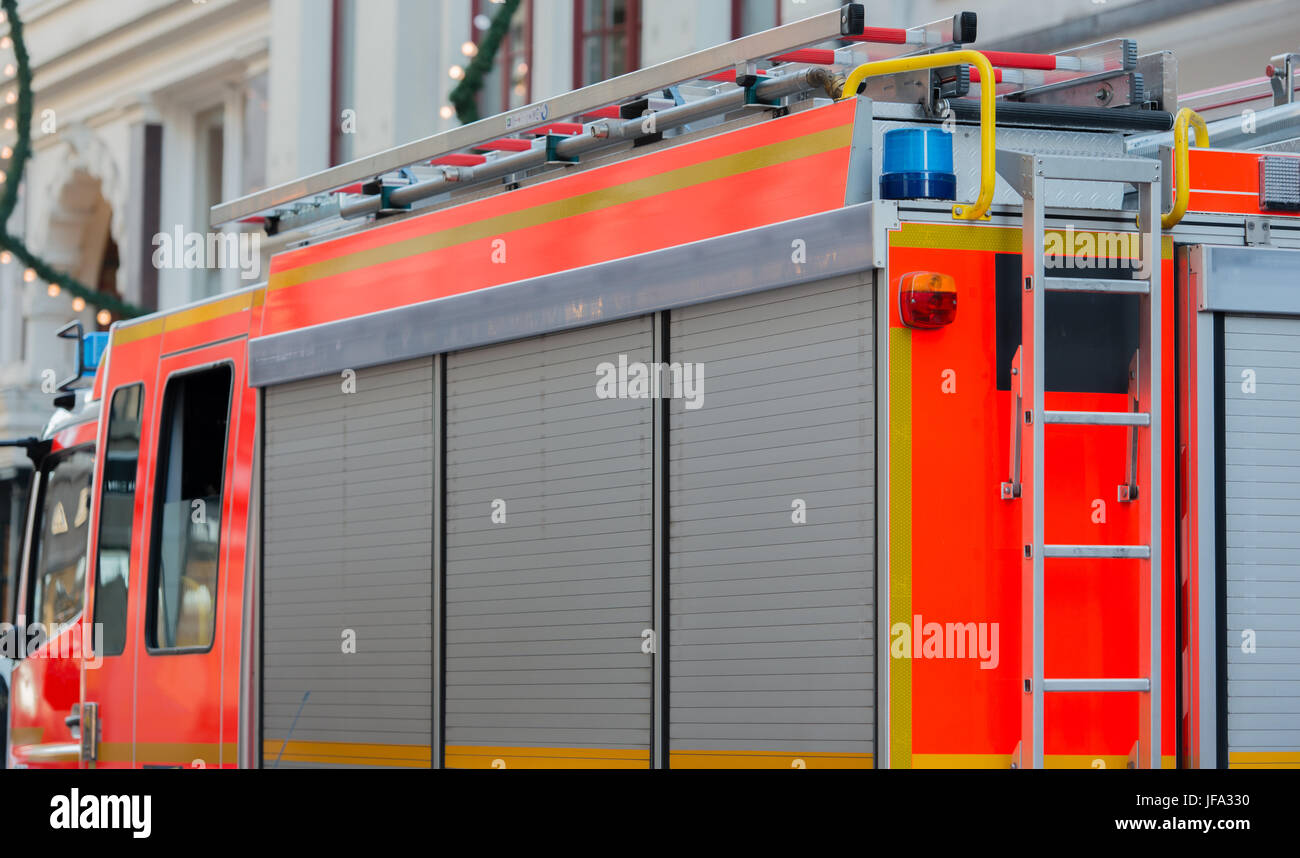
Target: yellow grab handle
[988,105]
[1182,177]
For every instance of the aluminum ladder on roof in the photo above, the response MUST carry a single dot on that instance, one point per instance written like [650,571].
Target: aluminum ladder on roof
[1029,173]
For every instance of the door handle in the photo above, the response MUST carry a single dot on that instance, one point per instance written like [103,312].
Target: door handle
[83,723]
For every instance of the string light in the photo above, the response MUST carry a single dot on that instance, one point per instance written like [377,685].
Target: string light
[78,304]
[6,43]
[9,123]
[103,317]
[11,97]
[53,290]
[446,111]
[6,257]
[456,72]
[10,70]
[469,49]
[7,152]
[29,275]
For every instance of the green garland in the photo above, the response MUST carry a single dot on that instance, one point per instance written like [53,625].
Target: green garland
[9,196]
[464,96]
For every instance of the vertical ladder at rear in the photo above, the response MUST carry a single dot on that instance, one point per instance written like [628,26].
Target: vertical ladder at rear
[1029,174]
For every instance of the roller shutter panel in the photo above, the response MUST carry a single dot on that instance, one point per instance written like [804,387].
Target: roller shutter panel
[771,620]
[347,534]
[549,555]
[1262,536]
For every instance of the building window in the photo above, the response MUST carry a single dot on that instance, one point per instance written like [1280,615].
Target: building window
[753,16]
[187,511]
[606,39]
[508,84]
[59,553]
[116,514]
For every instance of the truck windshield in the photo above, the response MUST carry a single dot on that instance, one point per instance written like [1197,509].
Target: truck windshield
[60,531]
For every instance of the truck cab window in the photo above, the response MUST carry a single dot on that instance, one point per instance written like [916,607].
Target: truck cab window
[58,570]
[117,503]
[187,510]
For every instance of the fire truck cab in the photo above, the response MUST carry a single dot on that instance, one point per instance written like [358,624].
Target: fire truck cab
[837,397]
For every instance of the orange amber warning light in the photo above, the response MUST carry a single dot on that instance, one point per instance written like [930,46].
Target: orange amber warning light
[927,299]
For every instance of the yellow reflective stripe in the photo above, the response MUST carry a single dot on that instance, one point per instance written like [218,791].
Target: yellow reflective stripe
[1264,759]
[767,760]
[138,331]
[513,757]
[672,180]
[346,753]
[151,327]
[900,542]
[995,239]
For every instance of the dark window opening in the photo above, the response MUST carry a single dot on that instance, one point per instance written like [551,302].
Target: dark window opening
[116,514]
[187,511]
[1090,337]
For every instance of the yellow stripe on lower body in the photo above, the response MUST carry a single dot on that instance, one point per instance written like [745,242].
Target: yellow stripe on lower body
[515,757]
[1264,759]
[347,754]
[1003,761]
[900,540]
[767,760]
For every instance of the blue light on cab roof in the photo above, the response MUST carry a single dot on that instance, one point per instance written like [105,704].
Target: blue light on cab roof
[92,349]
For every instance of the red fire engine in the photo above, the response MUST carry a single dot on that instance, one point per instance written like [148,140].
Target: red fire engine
[837,397]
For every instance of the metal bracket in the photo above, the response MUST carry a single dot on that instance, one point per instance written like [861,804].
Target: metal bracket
[1104,89]
[1258,231]
[1128,492]
[1134,761]
[387,206]
[553,157]
[1281,79]
[1010,489]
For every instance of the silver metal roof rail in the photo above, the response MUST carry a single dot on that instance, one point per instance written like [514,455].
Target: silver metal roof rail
[847,21]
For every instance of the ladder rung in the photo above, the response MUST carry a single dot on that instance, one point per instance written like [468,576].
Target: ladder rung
[1083,284]
[1140,684]
[1121,552]
[1099,418]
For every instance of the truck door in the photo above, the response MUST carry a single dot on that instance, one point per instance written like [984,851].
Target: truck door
[188,508]
[45,686]
[110,678]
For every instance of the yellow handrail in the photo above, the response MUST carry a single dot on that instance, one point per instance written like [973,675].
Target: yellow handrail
[1182,177]
[988,125]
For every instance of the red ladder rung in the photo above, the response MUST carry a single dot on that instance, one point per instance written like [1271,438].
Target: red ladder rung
[880,35]
[816,56]
[458,159]
[505,144]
